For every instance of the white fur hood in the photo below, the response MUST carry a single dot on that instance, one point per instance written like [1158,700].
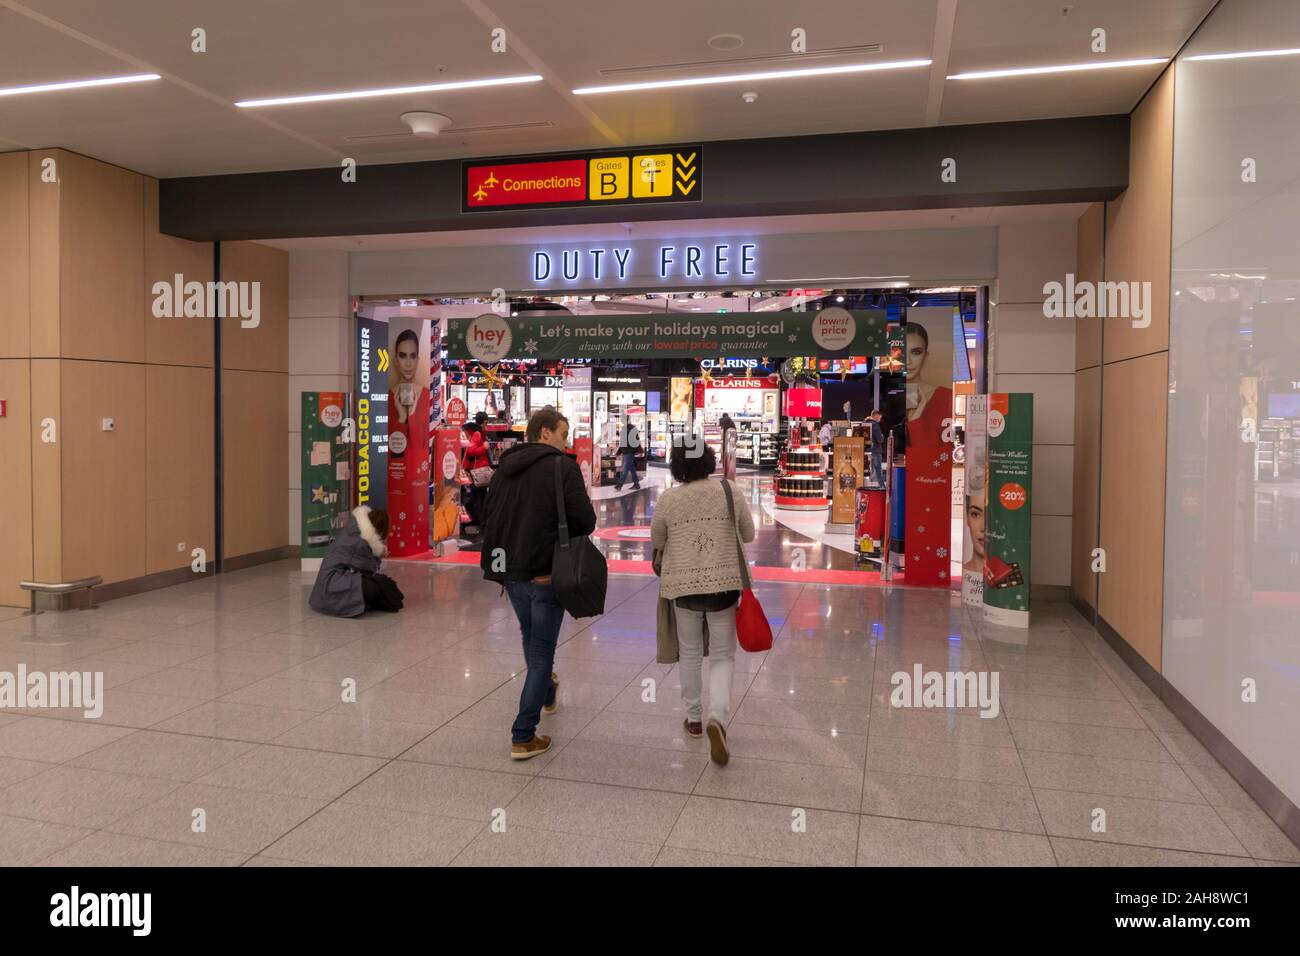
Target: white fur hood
[368,532]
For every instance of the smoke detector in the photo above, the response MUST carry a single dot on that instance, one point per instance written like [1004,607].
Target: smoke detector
[749,96]
[726,42]
[425,124]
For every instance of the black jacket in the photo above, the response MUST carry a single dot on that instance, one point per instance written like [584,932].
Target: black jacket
[629,439]
[520,518]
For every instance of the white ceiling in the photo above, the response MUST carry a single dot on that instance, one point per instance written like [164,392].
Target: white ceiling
[186,124]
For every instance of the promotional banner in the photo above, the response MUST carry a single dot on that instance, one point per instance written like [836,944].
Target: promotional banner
[681,400]
[830,331]
[372,412]
[729,437]
[435,375]
[1008,521]
[457,412]
[847,468]
[408,437]
[326,471]
[446,484]
[803,403]
[583,451]
[976,503]
[930,435]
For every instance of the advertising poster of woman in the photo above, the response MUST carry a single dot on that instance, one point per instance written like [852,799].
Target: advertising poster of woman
[408,437]
[928,356]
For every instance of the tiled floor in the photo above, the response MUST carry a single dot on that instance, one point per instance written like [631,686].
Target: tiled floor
[225,740]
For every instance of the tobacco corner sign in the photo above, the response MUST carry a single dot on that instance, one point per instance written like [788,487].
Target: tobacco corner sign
[832,331]
[640,175]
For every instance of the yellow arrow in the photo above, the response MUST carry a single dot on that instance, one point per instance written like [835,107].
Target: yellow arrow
[383,360]
[684,188]
[684,160]
[686,173]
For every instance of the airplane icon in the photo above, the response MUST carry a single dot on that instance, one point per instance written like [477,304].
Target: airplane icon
[491,180]
[479,194]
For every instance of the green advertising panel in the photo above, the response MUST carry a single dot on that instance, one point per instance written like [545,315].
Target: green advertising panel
[824,333]
[326,470]
[1008,521]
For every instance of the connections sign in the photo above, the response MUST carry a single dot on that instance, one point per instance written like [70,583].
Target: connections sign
[649,175]
[829,332]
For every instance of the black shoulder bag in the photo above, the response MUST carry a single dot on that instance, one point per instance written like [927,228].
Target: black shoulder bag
[578,570]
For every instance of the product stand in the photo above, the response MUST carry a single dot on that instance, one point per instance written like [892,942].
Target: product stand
[801,476]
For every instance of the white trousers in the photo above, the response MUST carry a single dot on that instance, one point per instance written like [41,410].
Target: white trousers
[722,660]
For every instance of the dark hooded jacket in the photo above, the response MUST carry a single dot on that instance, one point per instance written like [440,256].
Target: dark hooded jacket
[338,583]
[520,516]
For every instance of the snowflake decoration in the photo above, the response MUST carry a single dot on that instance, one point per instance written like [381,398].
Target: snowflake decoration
[934,464]
[944,456]
[921,529]
[793,337]
[401,516]
[530,346]
[942,552]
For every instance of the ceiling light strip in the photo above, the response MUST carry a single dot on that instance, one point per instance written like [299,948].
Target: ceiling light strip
[79,84]
[392,91]
[753,77]
[1061,68]
[1245,54]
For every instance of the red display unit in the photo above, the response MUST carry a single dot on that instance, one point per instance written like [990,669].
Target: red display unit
[803,403]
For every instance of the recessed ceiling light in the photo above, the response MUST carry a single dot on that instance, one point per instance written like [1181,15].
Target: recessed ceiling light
[1063,68]
[393,91]
[751,77]
[727,41]
[79,84]
[1243,55]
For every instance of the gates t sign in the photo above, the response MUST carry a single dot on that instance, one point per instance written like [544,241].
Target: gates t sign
[832,332]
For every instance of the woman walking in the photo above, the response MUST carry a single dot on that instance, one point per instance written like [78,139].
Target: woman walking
[695,527]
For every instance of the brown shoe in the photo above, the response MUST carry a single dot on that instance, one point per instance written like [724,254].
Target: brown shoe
[554,705]
[693,728]
[538,745]
[717,742]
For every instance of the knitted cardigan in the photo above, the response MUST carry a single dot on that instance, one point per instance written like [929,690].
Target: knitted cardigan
[698,540]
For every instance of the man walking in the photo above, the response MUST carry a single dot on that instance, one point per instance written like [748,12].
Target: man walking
[629,443]
[520,528]
[877,447]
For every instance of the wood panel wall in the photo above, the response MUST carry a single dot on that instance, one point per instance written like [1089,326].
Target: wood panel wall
[79,343]
[1122,390]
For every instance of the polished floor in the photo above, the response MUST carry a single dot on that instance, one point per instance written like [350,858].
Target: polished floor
[225,740]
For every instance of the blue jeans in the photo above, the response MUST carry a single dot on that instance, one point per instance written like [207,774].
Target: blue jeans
[629,468]
[877,473]
[540,617]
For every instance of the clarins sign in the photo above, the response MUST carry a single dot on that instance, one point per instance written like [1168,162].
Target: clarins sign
[624,265]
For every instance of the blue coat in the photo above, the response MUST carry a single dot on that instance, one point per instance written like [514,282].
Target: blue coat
[338,583]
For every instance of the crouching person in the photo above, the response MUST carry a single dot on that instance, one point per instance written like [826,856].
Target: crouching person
[349,582]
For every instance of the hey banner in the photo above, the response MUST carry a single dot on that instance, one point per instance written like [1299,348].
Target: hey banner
[828,332]
[1008,522]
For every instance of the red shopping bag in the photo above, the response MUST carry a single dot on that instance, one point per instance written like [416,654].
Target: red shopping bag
[753,632]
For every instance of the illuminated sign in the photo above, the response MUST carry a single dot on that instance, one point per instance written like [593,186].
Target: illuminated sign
[666,174]
[723,260]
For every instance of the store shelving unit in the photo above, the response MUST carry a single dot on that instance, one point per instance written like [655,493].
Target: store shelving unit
[801,480]
[758,449]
